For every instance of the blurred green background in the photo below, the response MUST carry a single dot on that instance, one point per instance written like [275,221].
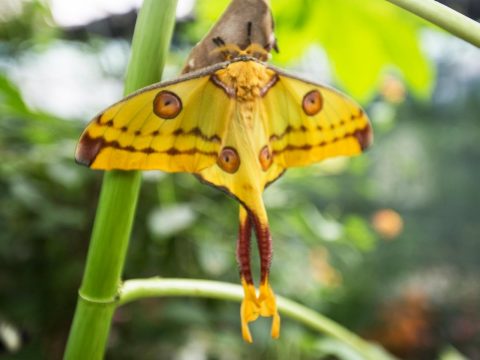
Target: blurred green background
[387,244]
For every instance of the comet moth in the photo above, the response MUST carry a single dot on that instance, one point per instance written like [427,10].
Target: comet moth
[236,125]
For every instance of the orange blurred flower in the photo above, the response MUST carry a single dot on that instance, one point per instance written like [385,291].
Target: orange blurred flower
[321,269]
[387,223]
[392,89]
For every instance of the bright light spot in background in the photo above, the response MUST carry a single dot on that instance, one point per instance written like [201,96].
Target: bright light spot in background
[9,9]
[10,337]
[68,81]
[185,8]
[50,80]
[79,12]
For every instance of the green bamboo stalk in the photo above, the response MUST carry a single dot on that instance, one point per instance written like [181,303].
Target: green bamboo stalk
[161,287]
[118,198]
[444,17]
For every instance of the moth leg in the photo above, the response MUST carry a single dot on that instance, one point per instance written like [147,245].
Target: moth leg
[254,49]
[249,310]
[266,299]
[218,41]
[228,51]
[249,33]
[257,51]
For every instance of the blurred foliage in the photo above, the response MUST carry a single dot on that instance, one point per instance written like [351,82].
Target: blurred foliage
[25,23]
[406,277]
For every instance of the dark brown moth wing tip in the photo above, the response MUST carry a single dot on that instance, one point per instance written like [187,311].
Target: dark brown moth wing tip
[364,136]
[88,149]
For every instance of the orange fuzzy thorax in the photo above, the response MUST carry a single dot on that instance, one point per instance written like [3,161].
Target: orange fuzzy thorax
[247,80]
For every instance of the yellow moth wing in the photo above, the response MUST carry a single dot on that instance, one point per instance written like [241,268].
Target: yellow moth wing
[265,120]
[308,122]
[171,127]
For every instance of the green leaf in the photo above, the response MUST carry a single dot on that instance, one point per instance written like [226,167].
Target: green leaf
[450,353]
[358,232]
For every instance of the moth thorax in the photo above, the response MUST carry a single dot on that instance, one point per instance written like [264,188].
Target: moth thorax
[247,94]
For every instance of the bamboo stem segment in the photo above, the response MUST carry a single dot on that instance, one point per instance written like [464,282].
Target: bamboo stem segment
[444,17]
[118,199]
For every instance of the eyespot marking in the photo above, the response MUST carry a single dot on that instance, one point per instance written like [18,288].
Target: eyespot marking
[229,161]
[312,103]
[167,105]
[266,158]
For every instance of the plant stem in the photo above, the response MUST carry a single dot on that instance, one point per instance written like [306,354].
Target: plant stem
[116,209]
[155,287]
[444,17]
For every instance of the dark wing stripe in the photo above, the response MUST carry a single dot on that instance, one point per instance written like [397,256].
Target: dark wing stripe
[363,136]
[290,129]
[196,131]
[89,148]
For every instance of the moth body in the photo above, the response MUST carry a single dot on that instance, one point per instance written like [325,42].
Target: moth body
[237,126]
